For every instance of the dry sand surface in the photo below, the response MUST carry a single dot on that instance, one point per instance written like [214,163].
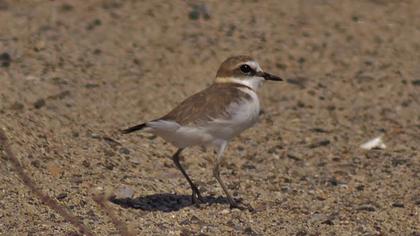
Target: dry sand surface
[72,73]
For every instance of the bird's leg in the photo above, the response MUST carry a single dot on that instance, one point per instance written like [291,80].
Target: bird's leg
[216,174]
[196,196]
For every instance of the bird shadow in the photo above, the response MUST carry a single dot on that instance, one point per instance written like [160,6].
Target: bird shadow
[164,202]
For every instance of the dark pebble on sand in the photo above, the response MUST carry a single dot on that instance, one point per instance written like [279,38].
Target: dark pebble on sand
[5,59]
[39,103]
[416,82]
[61,196]
[321,143]
[124,150]
[398,204]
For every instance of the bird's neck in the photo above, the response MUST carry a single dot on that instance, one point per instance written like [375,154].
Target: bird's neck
[253,83]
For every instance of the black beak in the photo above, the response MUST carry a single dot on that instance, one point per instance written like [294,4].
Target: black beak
[268,76]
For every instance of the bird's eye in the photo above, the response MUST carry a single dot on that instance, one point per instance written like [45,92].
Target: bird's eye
[245,69]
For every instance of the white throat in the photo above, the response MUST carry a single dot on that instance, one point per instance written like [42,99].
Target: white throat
[254,82]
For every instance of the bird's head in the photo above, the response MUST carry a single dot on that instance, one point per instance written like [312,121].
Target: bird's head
[243,70]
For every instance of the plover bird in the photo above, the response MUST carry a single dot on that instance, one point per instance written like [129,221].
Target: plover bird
[213,116]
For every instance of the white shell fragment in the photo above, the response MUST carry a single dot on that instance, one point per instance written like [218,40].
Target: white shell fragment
[374,143]
[124,192]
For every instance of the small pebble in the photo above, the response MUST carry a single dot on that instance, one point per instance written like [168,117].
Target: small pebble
[5,59]
[124,150]
[66,7]
[61,196]
[398,204]
[135,160]
[225,211]
[250,231]
[194,14]
[36,163]
[124,192]
[321,143]
[366,207]
[416,82]
[39,103]
[95,135]
[86,164]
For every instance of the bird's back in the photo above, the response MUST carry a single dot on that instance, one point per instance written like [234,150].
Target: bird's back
[211,103]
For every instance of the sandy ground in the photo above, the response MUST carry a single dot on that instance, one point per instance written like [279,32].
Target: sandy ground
[73,73]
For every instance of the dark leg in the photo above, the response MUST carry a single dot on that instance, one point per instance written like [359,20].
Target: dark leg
[216,174]
[196,196]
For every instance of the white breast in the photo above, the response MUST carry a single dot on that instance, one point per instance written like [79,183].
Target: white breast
[248,112]
[244,115]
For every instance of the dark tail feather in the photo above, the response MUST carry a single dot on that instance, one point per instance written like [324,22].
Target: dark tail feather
[134,128]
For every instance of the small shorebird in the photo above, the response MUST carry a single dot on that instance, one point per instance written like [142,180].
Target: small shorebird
[213,116]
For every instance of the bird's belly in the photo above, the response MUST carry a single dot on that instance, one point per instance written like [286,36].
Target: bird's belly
[208,133]
[241,117]
[178,135]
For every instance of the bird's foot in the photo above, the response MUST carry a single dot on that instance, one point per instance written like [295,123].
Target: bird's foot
[196,197]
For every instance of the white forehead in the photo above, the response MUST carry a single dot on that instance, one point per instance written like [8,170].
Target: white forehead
[254,65]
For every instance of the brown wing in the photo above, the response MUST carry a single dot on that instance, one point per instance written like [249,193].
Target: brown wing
[207,104]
